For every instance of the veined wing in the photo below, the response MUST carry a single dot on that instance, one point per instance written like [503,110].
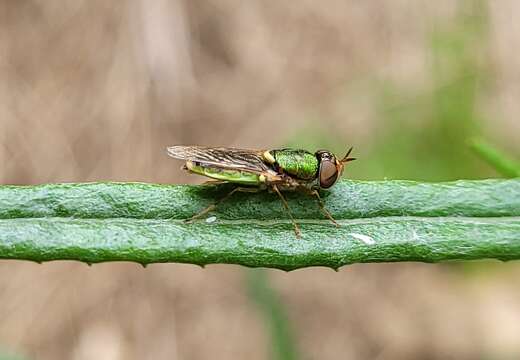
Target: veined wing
[229,158]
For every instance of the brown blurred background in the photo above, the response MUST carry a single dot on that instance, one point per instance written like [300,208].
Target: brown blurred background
[95,90]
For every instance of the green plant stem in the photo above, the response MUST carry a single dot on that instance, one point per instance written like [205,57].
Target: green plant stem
[272,310]
[502,163]
[381,221]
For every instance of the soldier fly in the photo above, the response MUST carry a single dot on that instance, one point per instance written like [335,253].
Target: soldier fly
[256,170]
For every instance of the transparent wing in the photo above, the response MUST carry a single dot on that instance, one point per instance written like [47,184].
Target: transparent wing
[229,158]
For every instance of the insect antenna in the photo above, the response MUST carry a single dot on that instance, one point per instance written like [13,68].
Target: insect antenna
[346,158]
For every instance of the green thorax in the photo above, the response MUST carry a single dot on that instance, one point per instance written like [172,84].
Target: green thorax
[298,163]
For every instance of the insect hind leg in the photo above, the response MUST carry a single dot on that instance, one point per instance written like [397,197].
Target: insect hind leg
[215,204]
[214,182]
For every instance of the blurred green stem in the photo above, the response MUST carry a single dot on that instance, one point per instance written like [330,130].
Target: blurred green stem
[502,163]
[274,314]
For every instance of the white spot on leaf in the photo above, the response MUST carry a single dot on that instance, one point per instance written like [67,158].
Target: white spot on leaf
[365,238]
[211,219]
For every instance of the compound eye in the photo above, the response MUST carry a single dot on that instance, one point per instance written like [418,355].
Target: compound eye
[328,174]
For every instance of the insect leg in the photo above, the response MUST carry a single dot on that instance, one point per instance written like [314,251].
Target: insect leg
[213,182]
[214,205]
[286,205]
[323,209]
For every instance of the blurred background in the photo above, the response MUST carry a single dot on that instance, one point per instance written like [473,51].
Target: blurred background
[95,90]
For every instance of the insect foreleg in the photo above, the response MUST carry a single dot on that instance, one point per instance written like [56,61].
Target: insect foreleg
[214,205]
[286,205]
[323,209]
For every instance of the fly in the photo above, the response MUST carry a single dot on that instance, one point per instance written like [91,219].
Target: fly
[256,170]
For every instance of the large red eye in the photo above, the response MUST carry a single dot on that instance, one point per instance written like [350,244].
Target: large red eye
[328,174]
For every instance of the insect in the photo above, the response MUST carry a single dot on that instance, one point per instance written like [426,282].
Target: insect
[276,170]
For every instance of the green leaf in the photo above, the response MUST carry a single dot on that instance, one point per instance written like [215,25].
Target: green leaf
[381,221]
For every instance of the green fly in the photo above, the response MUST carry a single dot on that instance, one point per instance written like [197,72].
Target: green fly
[256,170]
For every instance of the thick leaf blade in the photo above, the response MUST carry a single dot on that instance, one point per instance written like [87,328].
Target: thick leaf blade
[346,200]
[380,222]
[261,243]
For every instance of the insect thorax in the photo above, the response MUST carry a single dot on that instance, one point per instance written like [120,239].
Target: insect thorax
[298,163]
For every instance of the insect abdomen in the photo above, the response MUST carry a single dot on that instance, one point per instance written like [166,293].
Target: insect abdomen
[298,163]
[233,176]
